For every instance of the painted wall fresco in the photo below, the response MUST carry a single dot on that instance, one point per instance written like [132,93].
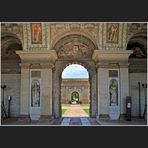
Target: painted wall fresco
[36,33]
[112,33]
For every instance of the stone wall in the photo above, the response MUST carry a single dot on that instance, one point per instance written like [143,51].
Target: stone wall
[134,78]
[12,82]
[69,86]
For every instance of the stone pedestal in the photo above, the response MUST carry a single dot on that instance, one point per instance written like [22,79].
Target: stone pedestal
[114,112]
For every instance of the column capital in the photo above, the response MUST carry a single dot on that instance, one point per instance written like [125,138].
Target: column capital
[24,65]
[47,65]
[111,56]
[107,65]
[37,56]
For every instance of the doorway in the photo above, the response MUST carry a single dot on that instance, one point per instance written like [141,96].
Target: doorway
[75,98]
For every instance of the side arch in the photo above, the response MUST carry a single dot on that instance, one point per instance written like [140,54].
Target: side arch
[11,71]
[138,43]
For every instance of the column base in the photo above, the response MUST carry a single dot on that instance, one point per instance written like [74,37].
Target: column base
[46,118]
[102,116]
[24,118]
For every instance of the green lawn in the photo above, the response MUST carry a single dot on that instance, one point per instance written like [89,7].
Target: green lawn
[86,110]
[63,111]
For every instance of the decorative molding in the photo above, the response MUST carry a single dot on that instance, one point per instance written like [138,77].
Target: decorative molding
[110,65]
[114,65]
[47,65]
[35,66]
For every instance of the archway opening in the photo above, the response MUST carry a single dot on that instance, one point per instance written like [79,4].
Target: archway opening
[11,75]
[75,91]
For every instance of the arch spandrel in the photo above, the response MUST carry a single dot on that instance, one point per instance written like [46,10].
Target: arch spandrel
[81,29]
[74,47]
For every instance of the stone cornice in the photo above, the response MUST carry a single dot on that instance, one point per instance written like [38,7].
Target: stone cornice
[38,56]
[111,56]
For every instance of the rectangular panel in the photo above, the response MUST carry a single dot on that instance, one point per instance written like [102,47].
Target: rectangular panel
[113,73]
[36,74]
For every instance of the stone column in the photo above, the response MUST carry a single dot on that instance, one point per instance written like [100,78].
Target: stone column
[102,88]
[46,90]
[93,95]
[24,94]
[56,92]
[44,58]
[124,86]
[106,59]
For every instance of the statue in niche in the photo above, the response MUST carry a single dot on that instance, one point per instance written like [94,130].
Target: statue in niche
[112,32]
[113,90]
[35,94]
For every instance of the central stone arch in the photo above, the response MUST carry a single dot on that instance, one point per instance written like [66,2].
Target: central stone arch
[74,49]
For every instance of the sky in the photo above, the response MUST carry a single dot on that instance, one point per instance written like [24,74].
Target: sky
[75,71]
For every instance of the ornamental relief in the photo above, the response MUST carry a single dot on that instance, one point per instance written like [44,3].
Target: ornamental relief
[42,36]
[74,50]
[74,46]
[89,29]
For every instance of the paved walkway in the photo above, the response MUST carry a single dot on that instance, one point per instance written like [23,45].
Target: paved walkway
[75,110]
[76,121]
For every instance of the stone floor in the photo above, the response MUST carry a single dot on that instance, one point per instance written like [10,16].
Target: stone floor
[74,116]
[74,121]
[122,121]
